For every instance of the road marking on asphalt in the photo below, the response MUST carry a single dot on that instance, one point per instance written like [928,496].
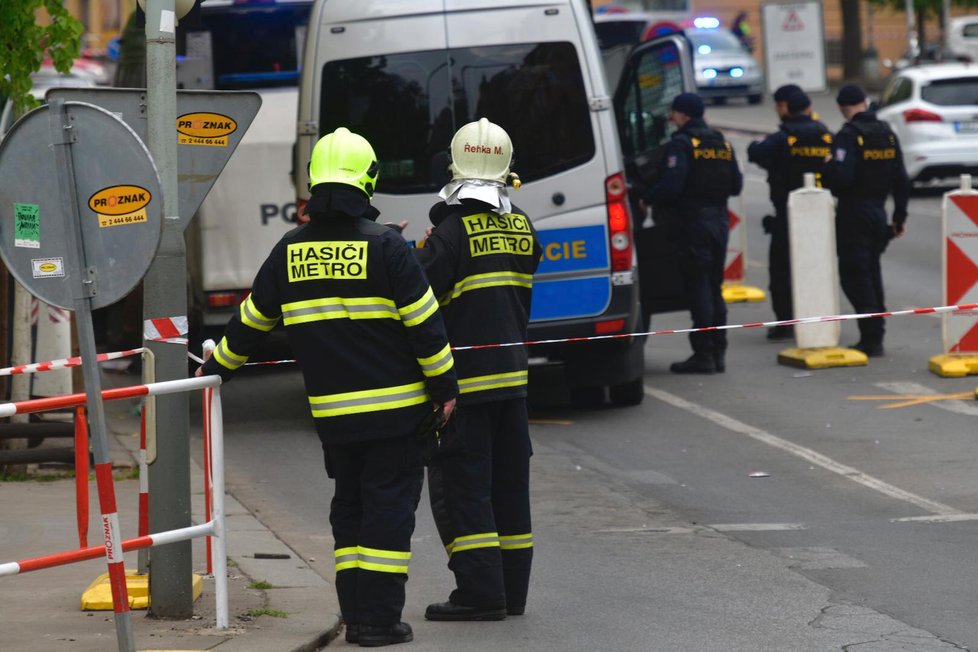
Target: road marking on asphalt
[807,454]
[940,518]
[924,394]
[757,527]
[647,530]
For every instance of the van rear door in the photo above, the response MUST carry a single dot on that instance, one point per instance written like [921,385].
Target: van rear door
[655,73]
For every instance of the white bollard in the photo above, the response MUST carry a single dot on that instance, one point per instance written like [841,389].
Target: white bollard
[814,264]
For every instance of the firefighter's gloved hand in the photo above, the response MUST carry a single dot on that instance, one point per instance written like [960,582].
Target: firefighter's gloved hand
[207,353]
[399,227]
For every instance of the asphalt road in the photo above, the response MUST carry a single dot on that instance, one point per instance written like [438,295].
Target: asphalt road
[648,520]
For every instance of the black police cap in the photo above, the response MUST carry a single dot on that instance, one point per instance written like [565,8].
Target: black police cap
[849,95]
[785,92]
[798,102]
[688,104]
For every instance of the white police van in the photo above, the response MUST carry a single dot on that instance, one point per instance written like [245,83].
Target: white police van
[407,73]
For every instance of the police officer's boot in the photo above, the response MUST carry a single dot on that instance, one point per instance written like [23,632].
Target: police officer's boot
[720,360]
[698,363]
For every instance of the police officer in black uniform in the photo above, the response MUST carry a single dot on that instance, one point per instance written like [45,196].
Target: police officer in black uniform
[480,259]
[701,173]
[866,166]
[366,329]
[800,146]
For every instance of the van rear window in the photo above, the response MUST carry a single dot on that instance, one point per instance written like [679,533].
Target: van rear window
[409,106]
[952,92]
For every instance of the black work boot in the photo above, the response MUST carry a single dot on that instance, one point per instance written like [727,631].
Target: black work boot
[779,333]
[452,611]
[352,633]
[698,363]
[871,349]
[380,635]
[720,360]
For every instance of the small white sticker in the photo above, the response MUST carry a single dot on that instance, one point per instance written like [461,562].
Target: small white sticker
[47,267]
[840,155]
[168,20]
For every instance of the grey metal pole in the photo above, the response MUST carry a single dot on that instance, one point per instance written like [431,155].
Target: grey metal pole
[165,295]
[61,125]
[913,48]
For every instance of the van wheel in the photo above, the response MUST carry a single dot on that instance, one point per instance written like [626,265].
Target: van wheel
[628,394]
[754,99]
[587,398]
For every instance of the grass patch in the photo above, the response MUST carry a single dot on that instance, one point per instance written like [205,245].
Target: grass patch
[275,613]
[35,477]
[262,584]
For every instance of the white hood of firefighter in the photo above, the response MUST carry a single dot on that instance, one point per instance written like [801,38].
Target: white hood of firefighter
[489,192]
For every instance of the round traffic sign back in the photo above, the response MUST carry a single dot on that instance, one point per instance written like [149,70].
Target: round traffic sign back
[77,165]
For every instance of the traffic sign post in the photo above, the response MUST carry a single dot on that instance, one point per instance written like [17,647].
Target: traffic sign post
[960,282]
[80,213]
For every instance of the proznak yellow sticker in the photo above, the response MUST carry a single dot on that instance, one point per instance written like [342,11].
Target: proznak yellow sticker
[119,205]
[210,129]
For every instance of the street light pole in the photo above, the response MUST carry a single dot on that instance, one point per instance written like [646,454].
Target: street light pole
[165,295]
[913,47]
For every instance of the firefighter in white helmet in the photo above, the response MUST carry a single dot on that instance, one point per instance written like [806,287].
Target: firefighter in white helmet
[480,259]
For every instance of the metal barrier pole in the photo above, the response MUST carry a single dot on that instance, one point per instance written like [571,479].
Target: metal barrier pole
[81,475]
[208,485]
[147,453]
[220,530]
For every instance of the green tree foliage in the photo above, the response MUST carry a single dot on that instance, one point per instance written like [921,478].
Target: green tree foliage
[25,44]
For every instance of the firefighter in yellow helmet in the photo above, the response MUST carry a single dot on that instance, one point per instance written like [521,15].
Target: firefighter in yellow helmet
[370,340]
[480,259]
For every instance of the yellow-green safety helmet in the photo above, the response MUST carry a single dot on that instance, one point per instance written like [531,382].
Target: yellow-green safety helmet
[344,157]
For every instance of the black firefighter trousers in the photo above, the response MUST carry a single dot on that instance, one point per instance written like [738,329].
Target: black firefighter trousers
[480,499]
[378,486]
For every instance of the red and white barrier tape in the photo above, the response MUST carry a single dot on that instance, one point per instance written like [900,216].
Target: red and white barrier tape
[167,329]
[65,363]
[963,308]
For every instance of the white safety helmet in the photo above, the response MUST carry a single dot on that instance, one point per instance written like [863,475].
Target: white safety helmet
[481,150]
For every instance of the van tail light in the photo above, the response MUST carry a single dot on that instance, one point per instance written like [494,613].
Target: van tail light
[619,223]
[226,299]
[920,115]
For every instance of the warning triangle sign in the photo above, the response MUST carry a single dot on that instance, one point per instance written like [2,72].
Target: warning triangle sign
[733,219]
[735,270]
[792,22]
[968,342]
[962,273]
[968,205]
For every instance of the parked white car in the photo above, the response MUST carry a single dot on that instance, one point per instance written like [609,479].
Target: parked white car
[934,112]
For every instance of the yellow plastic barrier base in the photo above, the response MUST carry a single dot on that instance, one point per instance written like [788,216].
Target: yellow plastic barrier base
[736,293]
[953,366]
[823,358]
[98,595]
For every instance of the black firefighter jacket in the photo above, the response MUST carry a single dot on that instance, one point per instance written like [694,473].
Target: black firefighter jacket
[363,324]
[480,265]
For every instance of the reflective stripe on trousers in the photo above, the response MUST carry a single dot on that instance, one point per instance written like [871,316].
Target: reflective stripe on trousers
[473,541]
[516,541]
[372,559]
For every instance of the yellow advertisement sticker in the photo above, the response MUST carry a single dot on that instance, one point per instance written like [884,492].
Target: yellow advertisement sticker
[119,205]
[207,129]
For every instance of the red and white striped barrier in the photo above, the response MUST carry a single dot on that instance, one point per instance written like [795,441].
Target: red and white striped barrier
[960,278]
[214,527]
[734,266]
[166,329]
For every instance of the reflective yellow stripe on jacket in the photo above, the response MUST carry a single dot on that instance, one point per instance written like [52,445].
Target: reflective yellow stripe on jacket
[439,363]
[228,358]
[492,381]
[251,316]
[417,312]
[487,280]
[368,400]
[302,312]
[472,542]
[516,541]
[372,559]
